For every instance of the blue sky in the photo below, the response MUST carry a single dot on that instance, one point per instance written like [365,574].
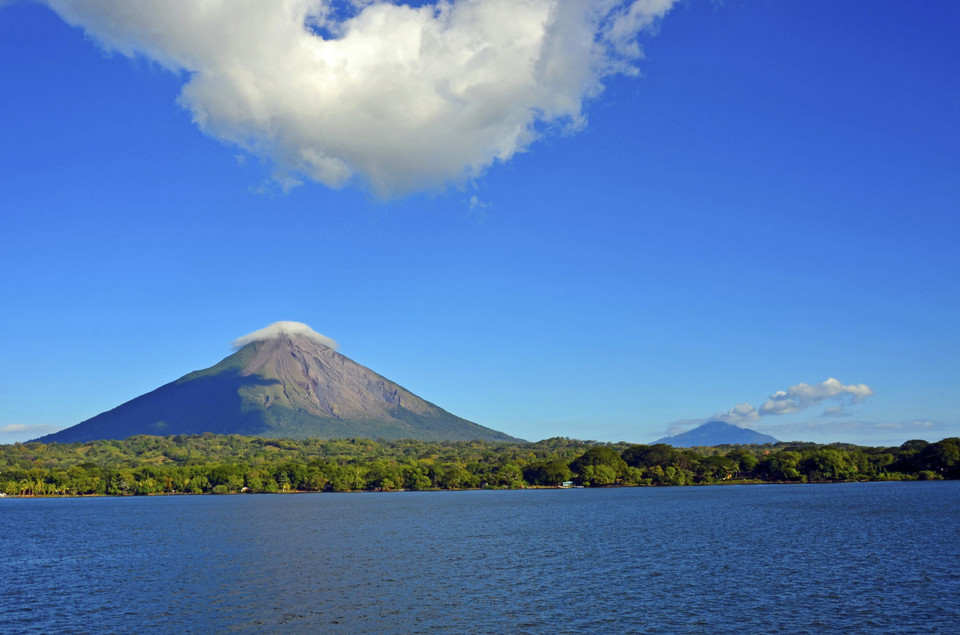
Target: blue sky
[771,202]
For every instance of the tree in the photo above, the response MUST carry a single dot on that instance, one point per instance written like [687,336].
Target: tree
[551,474]
[654,474]
[509,475]
[879,462]
[121,483]
[782,466]
[413,478]
[673,475]
[600,456]
[712,468]
[228,477]
[746,461]
[908,458]
[942,457]
[598,475]
[383,475]
[454,477]
[198,483]
[647,456]
[825,464]
[634,476]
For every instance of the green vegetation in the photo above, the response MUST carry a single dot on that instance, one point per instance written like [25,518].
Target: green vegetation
[218,464]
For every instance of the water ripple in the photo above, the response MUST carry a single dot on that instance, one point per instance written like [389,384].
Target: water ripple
[869,558]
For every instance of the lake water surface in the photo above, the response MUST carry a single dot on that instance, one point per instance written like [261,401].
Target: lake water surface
[859,557]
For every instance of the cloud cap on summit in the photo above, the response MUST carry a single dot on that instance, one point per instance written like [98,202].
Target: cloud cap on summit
[281,329]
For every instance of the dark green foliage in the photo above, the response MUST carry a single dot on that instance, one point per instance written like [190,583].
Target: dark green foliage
[942,457]
[648,456]
[746,462]
[782,466]
[550,474]
[599,456]
[717,467]
[599,466]
[211,463]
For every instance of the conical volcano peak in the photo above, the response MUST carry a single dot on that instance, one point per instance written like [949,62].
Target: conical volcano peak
[284,381]
[282,329]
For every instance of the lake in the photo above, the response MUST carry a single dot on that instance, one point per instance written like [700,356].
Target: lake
[857,557]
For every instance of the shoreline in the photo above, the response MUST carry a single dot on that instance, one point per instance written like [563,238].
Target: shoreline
[471,489]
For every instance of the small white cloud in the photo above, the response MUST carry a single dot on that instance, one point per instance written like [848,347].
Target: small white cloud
[631,19]
[397,97]
[477,204]
[803,396]
[18,432]
[909,425]
[835,411]
[280,329]
[739,415]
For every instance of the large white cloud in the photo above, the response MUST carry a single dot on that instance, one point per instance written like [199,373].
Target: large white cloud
[803,396]
[398,97]
[797,398]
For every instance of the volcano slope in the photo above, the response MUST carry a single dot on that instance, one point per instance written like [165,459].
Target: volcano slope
[290,383]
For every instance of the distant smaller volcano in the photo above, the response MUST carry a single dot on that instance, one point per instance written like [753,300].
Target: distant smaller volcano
[717,433]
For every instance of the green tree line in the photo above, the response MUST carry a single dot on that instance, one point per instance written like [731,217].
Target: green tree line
[209,463]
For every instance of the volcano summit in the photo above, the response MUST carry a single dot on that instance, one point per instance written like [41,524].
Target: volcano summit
[284,381]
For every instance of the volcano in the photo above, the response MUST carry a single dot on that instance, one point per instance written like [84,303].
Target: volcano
[285,381]
[717,433]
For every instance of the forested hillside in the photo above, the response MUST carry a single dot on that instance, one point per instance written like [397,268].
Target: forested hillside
[231,463]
